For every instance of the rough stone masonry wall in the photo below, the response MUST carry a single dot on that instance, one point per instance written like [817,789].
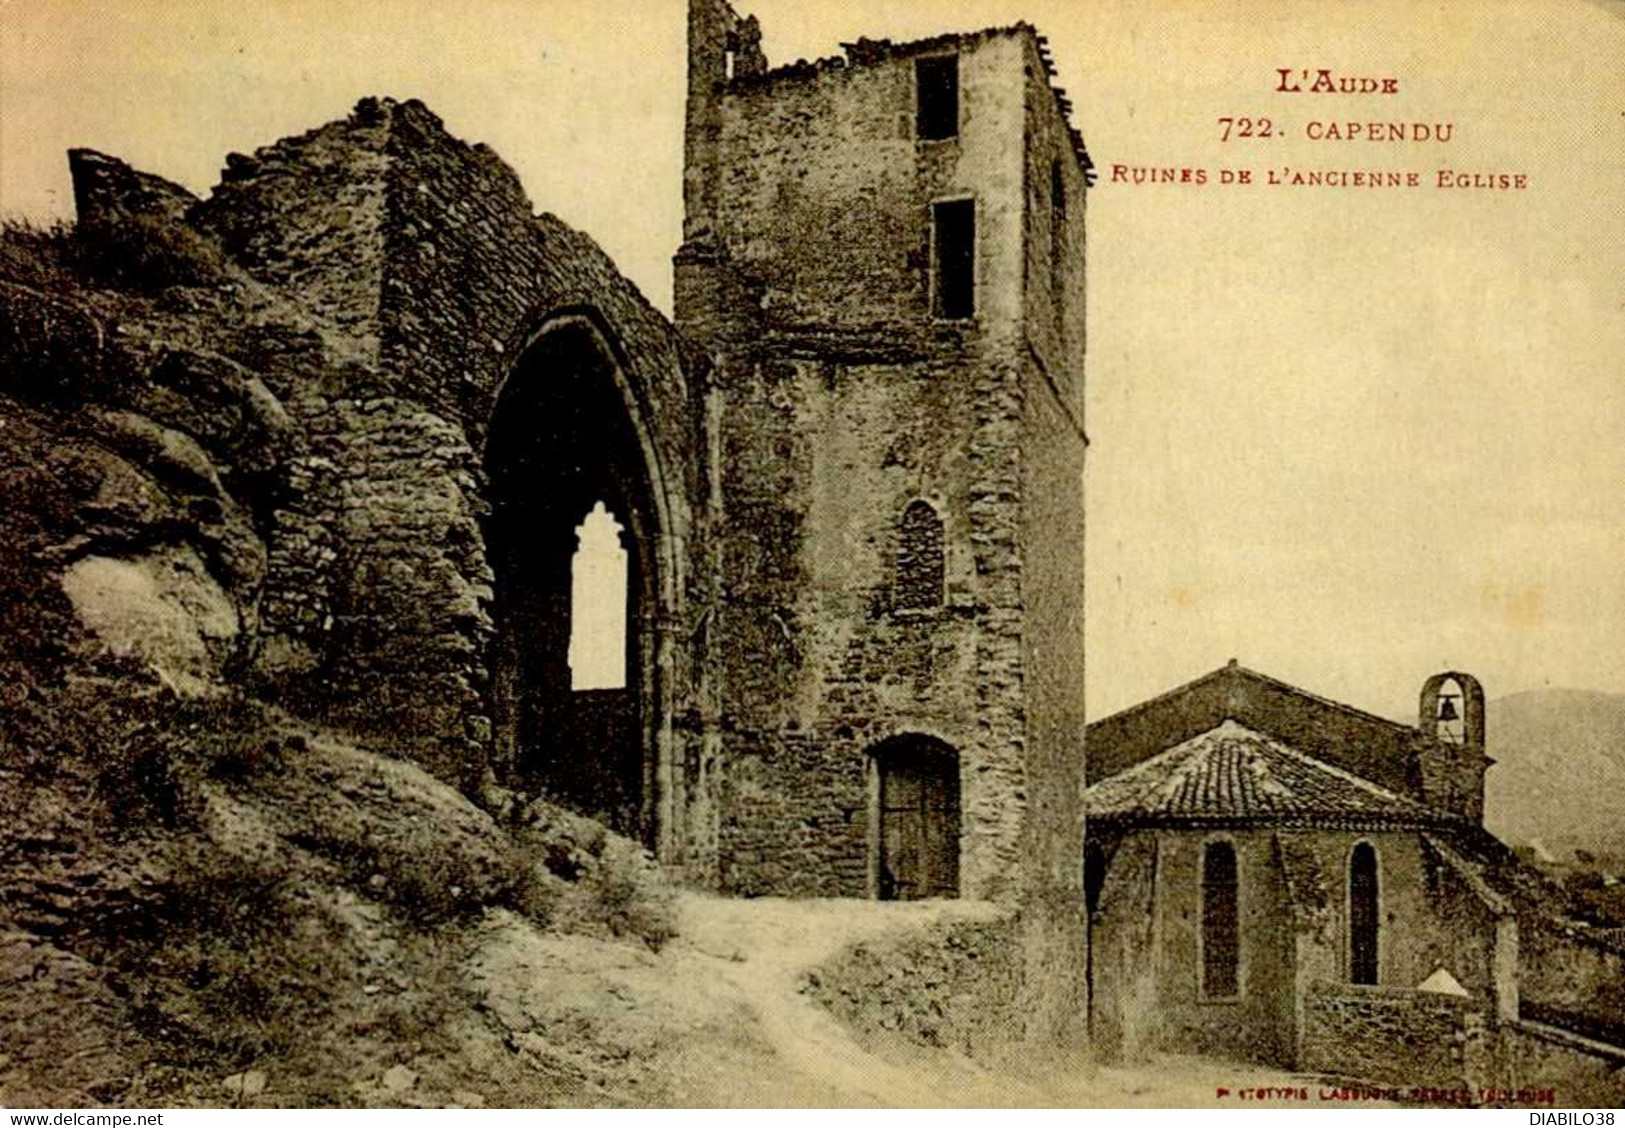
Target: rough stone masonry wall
[1055,258]
[1572,978]
[1052,467]
[820,662]
[1395,1036]
[472,276]
[949,985]
[824,195]
[842,404]
[1124,1015]
[1579,1072]
[419,259]
[1419,1040]
[305,215]
[384,490]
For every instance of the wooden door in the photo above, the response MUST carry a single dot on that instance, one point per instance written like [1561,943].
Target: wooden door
[919,823]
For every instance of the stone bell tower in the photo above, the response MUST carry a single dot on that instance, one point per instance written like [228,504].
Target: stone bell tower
[884,266]
[1450,759]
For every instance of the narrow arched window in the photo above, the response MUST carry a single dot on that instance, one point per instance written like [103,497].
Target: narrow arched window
[919,558]
[1364,905]
[1450,716]
[1221,953]
[598,596]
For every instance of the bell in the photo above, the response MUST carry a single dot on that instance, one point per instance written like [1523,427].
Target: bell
[1447,710]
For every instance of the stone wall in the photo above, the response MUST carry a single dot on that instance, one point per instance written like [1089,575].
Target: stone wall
[1255,1026]
[1395,1036]
[1052,598]
[1572,977]
[951,985]
[1052,536]
[1122,953]
[820,463]
[1579,1072]
[841,407]
[841,402]
[1054,221]
[1427,920]
[1413,1039]
[823,194]
[383,280]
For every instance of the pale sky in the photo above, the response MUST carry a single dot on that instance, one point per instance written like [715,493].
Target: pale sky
[1348,436]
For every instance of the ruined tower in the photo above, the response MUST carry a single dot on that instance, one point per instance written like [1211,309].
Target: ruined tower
[884,261]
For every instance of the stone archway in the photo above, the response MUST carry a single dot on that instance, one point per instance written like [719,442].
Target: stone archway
[915,820]
[571,487]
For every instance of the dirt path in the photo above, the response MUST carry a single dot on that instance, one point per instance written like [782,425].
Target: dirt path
[756,953]
[717,1019]
[758,950]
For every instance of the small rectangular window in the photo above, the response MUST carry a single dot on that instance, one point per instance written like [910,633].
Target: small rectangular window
[936,81]
[953,226]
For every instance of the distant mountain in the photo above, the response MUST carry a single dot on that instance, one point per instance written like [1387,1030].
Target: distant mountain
[1559,775]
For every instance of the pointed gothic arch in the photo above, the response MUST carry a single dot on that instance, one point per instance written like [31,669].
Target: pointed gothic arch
[567,438]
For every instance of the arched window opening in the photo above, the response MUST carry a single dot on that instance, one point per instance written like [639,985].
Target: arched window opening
[1450,716]
[1221,953]
[570,536]
[598,597]
[919,558]
[1363,910]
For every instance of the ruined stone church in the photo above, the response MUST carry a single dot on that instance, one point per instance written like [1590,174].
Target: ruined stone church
[837,503]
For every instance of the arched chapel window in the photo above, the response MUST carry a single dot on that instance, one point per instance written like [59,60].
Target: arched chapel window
[919,558]
[1364,906]
[598,595]
[1221,953]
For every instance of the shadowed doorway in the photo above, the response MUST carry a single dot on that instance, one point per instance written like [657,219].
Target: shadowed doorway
[569,537]
[916,822]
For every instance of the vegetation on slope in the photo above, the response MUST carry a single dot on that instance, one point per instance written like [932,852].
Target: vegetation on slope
[204,899]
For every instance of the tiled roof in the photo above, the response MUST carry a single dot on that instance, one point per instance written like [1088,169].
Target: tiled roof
[1234,773]
[1234,671]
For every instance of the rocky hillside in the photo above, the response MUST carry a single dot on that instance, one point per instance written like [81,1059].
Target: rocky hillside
[1559,775]
[203,898]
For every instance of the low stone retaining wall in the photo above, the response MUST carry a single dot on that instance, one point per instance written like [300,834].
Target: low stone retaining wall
[1419,1040]
[949,984]
[1580,1072]
[1396,1036]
